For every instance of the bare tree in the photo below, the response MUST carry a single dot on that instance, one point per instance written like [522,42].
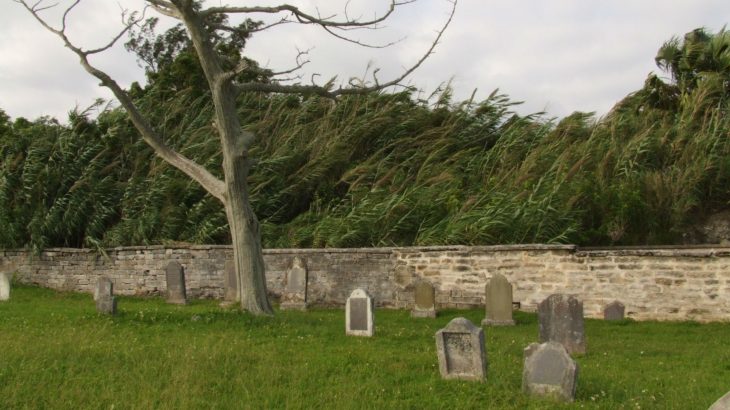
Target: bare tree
[235,142]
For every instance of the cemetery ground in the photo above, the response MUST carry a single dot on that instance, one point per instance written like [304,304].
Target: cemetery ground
[56,351]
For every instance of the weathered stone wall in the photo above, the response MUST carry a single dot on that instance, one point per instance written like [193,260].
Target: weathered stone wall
[662,283]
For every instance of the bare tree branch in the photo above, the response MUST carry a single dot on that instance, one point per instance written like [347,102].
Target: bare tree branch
[189,167]
[306,18]
[326,91]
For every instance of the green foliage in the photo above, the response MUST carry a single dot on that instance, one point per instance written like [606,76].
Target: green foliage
[156,355]
[381,169]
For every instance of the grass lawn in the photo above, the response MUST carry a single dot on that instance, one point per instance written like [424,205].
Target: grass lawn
[57,352]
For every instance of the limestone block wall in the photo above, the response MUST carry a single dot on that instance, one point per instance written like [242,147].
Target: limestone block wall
[659,283]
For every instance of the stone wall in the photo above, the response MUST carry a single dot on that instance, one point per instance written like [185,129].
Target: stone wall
[661,283]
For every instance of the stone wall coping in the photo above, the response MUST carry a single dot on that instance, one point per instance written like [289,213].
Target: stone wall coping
[711,250]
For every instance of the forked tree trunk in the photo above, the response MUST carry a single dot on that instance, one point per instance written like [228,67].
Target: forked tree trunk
[245,238]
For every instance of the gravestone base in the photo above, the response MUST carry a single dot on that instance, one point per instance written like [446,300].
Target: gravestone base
[227,303]
[494,322]
[293,305]
[423,313]
[106,305]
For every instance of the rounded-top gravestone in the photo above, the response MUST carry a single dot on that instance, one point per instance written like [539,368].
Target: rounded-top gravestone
[4,287]
[498,302]
[175,275]
[359,319]
[424,300]
[560,320]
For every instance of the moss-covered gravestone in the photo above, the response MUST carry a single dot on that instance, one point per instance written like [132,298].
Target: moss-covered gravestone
[424,300]
[106,303]
[498,302]
[294,295]
[461,352]
[175,275]
[560,320]
[549,371]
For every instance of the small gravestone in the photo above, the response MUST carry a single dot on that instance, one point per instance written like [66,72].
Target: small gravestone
[175,275]
[425,300]
[295,291]
[723,403]
[105,301]
[231,288]
[4,287]
[549,371]
[359,314]
[560,320]
[498,306]
[460,350]
[614,311]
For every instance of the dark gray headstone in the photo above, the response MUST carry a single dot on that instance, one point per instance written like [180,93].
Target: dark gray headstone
[359,319]
[175,276]
[614,311]
[498,304]
[4,287]
[460,350]
[294,295]
[425,300]
[549,371]
[723,403]
[231,283]
[561,320]
[106,303]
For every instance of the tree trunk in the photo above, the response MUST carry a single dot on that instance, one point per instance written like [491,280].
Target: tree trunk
[246,238]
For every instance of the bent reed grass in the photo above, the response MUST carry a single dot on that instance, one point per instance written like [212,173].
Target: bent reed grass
[57,352]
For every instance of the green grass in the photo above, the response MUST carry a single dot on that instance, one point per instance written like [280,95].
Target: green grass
[57,352]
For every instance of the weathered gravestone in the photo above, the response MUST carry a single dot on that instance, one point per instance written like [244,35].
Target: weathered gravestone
[498,304]
[425,300]
[231,284]
[549,371]
[561,320]
[295,291]
[614,311]
[105,301]
[175,275]
[359,314]
[723,403]
[4,287]
[460,350]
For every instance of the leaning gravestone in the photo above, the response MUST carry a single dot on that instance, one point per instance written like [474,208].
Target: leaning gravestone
[231,285]
[105,301]
[561,320]
[295,291]
[614,311]
[359,314]
[4,287]
[498,306]
[460,349]
[549,371]
[723,403]
[425,300]
[175,276]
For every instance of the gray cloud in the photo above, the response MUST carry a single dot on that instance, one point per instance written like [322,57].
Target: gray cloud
[557,55]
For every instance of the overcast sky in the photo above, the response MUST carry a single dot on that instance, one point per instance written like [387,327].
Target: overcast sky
[557,56]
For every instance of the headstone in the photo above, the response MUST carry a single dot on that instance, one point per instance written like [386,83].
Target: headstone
[105,301]
[4,287]
[231,284]
[460,350]
[295,291]
[561,320]
[425,300]
[614,311]
[723,403]
[359,314]
[498,306]
[549,371]
[175,276]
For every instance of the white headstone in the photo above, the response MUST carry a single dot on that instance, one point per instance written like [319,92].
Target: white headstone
[359,319]
[294,295]
[4,287]
[723,403]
